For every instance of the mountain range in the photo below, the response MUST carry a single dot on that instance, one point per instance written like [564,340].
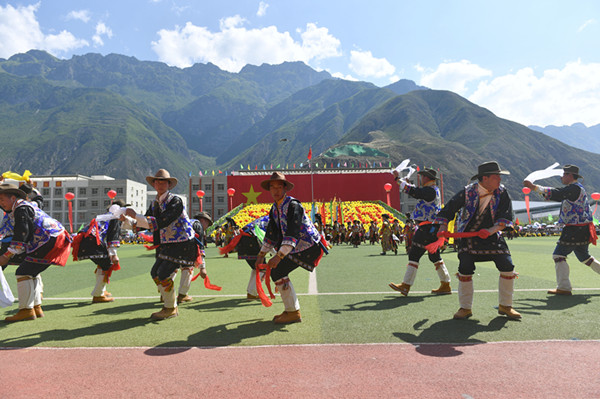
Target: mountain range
[126,118]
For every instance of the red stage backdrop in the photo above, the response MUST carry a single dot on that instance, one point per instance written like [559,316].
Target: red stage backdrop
[359,185]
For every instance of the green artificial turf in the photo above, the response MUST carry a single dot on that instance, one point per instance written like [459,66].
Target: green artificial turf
[354,305]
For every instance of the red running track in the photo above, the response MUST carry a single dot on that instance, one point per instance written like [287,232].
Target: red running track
[538,369]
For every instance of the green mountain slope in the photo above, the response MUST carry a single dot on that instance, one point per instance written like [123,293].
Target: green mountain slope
[87,131]
[443,130]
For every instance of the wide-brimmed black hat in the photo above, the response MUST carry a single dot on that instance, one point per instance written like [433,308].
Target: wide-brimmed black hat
[572,169]
[489,168]
[11,189]
[205,216]
[431,173]
[162,174]
[277,176]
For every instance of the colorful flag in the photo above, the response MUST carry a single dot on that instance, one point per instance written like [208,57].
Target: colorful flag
[309,153]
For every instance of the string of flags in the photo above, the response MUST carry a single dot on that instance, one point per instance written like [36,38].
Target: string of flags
[301,165]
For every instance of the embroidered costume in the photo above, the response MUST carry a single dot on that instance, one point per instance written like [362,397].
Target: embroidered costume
[41,241]
[578,227]
[298,244]
[488,211]
[428,205]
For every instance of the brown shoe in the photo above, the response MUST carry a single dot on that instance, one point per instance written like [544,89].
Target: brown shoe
[165,313]
[279,315]
[401,288]
[559,292]
[463,314]
[250,297]
[443,290]
[183,298]
[22,314]
[102,299]
[509,312]
[288,317]
[38,311]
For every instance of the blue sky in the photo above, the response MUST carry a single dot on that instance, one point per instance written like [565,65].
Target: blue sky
[533,62]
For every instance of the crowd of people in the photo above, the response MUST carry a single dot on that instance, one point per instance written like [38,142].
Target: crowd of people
[482,213]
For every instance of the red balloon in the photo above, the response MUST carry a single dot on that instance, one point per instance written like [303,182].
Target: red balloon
[111,194]
[387,186]
[231,191]
[596,196]
[200,193]
[526,190]
[69,196]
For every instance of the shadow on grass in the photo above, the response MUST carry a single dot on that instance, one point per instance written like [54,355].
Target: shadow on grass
[212,305]
[456,333]
[552,302]
[67,335]
[390,302]
[221,335]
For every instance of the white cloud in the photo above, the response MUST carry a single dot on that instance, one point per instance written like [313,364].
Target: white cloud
[21,32]
[262,9]
[82,15]
[234,46]
[364,64]
[340,75]
[453,76]
[586,24]
[101,30]
[556,97]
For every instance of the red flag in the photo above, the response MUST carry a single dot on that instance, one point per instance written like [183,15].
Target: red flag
[309,153]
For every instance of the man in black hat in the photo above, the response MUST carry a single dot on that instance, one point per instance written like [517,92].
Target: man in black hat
[40,239]
[485,209]
[428,205]
[578,230]
[291,233]
[173,233]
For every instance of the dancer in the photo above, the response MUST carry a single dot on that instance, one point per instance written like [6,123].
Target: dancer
[297,242]
[428,205]
[42,240]
[578,230]
[173,233]
[485,210]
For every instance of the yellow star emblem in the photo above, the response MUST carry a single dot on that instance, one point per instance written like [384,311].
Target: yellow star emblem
[252,196]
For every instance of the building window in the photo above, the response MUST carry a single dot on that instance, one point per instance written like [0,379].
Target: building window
[207,187]
[45,192]
[221,187]
[119,190]
[46,204]
[82,191]
[107,203]
[195,187]
[94,203]
[207,200]
[81,216]
[220,200]
[58,192]
[94,191]
[106,190]
[82,203]
[57,204]
[219,212]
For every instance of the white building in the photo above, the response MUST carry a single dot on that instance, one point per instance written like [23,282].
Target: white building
[91,196]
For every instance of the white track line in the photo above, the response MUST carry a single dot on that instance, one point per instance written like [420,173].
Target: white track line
[240,347]
[312,294]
